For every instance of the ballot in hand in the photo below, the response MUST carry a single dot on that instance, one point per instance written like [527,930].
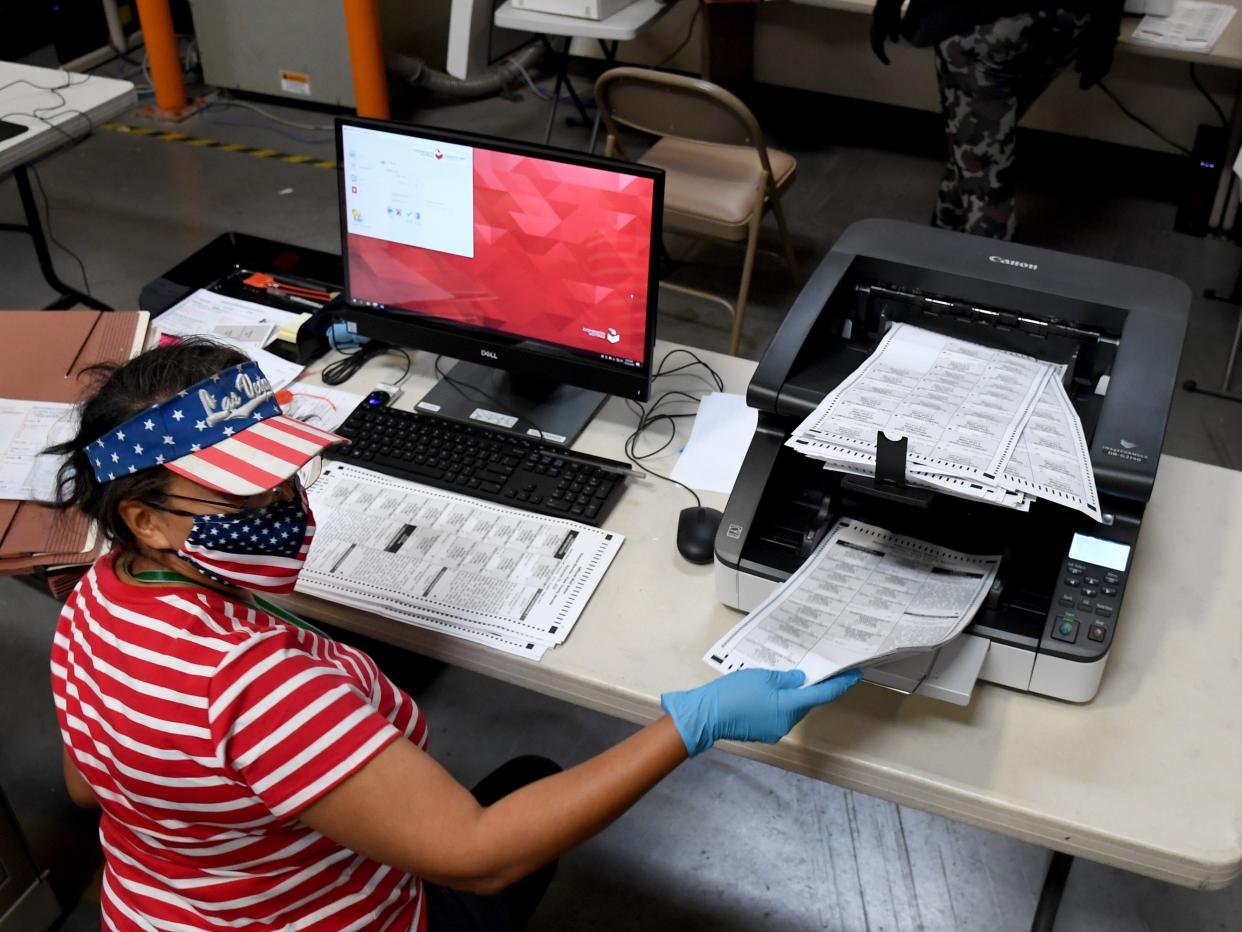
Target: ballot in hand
[749,705]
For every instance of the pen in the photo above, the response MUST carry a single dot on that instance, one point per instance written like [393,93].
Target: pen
[295,298]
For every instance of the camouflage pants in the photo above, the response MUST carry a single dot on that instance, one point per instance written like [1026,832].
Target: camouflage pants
[988,79]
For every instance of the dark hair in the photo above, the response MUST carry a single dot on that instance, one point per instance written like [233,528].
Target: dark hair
[120,392]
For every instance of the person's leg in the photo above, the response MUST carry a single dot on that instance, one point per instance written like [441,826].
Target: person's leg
[988,79]
[950,212]
[451,910]
[978,79]
[522,897]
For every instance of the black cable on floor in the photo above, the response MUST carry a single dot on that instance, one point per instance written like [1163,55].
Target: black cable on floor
[47,225]
[1140,121]
[1194,79]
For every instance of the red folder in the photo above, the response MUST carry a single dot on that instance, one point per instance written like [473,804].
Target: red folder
[44,356]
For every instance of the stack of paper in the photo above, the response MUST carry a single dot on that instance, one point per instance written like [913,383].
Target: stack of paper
[243,324]
[985,424]
[1193,26]
[865,595]
[511,579]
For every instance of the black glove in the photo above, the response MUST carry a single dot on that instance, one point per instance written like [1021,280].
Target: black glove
[1096,44]
[885,25]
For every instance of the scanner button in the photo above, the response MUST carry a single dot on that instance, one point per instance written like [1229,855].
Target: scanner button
[1071,581]
[1110,591]
[1086,605]
[1112,578]
[1105,610]
[1065,629]
[1097,632]
[1091,580]
[1090,593]
[1074,570]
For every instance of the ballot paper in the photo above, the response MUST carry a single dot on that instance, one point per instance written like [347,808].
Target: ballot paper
[961,405]
[983,424]
[26,429]
[865,595]
[242,324]
[1052,460]
[512,579]
[1193,26]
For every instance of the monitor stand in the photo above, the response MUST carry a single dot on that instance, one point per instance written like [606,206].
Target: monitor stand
[520,405]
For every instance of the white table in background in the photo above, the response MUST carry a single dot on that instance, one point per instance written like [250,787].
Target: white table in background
[68,106]
[1146,777]
[622,26]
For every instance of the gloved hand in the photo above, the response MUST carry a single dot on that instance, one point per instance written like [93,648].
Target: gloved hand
[1095,46]
[885,24]
[749,705]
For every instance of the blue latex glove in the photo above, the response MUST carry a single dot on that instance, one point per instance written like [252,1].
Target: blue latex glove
[749,705]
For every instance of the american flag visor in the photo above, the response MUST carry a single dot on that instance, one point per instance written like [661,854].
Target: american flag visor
[226,433]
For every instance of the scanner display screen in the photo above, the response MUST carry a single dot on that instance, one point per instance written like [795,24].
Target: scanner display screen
[1106,553]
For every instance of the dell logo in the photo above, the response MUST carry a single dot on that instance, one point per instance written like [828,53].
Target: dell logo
[1015,262]
[488,354]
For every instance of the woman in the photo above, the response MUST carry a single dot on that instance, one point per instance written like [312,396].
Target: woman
[252,771]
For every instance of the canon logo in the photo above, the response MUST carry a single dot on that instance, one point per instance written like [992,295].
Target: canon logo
[488,354]
[1015,262]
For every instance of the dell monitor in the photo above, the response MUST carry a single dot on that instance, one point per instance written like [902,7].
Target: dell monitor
[535,266]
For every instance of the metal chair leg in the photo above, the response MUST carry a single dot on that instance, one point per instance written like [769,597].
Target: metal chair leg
[748,266]
[778,211]
[1225,391]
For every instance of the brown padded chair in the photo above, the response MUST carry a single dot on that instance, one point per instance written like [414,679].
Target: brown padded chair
[719,175]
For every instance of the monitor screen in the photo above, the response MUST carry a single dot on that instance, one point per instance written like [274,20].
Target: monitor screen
[495,245]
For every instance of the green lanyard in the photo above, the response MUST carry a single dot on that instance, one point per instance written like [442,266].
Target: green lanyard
[167,576]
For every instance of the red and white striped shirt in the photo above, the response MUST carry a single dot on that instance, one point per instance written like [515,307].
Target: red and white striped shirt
[204,726]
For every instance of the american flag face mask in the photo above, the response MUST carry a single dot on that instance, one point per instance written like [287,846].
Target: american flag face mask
[262,549]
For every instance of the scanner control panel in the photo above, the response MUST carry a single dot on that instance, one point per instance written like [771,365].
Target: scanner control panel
[1087,598]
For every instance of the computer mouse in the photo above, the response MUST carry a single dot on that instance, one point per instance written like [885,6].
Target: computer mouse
[696,533]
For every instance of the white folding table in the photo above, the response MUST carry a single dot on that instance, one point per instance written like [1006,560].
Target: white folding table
[622,26]
[53,108]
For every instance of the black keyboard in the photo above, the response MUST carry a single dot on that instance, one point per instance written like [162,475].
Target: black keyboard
[484,463]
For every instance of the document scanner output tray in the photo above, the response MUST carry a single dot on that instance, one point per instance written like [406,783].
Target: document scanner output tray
[1048,624]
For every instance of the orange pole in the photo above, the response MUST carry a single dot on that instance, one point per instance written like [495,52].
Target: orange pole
[165,60]
[366,58]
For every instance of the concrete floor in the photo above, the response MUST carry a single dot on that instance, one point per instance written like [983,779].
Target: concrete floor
[724,843]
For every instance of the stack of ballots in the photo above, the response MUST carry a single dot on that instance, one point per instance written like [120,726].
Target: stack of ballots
[982,423]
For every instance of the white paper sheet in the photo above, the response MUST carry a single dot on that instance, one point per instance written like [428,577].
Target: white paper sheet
[712,458]
[865,595]
[320,405]
[26,428]
[205,313]
[498,575]
[1193,26]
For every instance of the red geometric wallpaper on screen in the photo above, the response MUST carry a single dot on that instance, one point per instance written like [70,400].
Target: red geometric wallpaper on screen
[559,250]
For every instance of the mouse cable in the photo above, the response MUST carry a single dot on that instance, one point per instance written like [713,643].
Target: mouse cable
[661,371]
[648,417]
[341,371]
